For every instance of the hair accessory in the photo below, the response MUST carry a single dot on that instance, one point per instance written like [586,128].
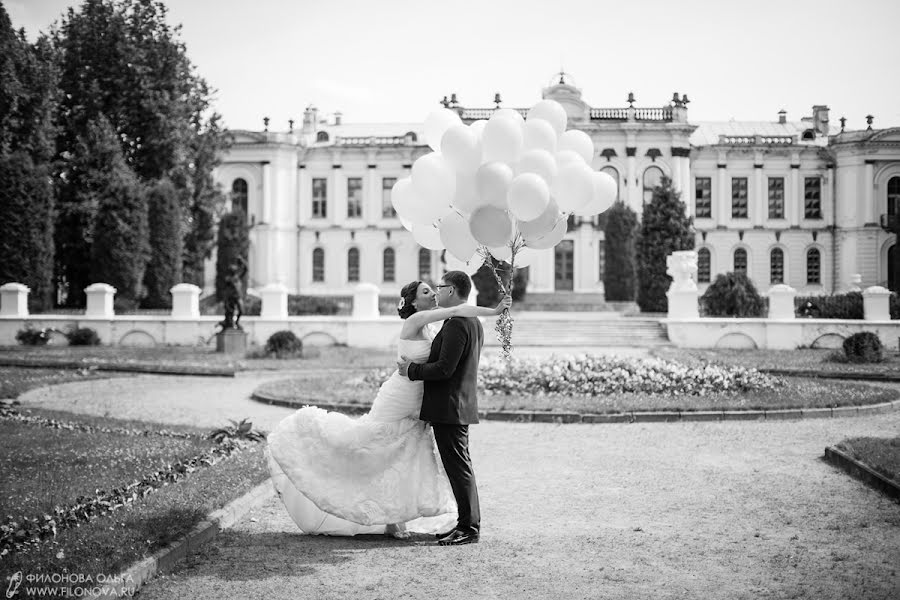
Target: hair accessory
[401,304]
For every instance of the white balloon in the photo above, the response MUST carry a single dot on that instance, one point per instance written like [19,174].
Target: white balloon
[509,113]
[552,112]
[551,239]
[456,237]
[502,140]
[577,141]
[539,134]
[528,196]
[490,226]
[466,197]
[428,236]
[461,148]
[407,224]
[438,122]
[539,162]
[477,127]
[543,224]
[573,187]
[469,267]
[492,182]
[502,253]
[402,197]
[565,158]
[605,192]
[434,182]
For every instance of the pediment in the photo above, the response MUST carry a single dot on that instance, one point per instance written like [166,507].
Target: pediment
[240,136]
[888,135]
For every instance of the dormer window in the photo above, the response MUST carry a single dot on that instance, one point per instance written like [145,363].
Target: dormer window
[322,136]
[808,135]
[412,136]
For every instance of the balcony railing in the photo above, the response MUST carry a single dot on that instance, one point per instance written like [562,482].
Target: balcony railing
[400,140]
[663,114]
[474,114]
[757,140]
[890,222]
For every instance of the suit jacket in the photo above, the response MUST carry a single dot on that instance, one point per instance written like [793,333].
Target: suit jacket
[451,373]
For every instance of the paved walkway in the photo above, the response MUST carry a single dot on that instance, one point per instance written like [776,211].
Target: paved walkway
[669,510]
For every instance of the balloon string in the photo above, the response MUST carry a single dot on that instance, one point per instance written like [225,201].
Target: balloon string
[505,321]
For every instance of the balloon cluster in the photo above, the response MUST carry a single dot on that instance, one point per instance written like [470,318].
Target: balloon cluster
[502,187]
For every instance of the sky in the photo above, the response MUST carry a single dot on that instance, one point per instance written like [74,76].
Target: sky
[380,61]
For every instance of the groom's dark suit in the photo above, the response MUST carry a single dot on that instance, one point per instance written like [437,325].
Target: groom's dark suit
[450,404]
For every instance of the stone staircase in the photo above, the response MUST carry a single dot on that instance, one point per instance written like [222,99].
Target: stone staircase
[582,329]
[570,302]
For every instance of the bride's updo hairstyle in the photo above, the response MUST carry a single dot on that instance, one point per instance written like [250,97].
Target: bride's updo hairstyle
[407,298]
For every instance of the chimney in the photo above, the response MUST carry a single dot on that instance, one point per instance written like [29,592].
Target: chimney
[820,119]
[337,117]
[310,119]
[782,116]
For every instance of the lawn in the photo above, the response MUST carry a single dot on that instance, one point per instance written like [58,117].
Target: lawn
[881,454]
[801,358]
[43,467]
[794,393]
[16,380]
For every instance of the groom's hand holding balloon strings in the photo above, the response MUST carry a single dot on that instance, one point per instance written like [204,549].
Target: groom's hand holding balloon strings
[403,366]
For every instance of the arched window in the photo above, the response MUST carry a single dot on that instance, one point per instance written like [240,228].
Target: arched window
[776,266]
[893,197]
[652,177]
[353,264]
[412,136]
[612,172]
[322,136]
[740,261]
[704,265]
[813,266]
[388,263]
[424,264]
[239,195]
[318,266]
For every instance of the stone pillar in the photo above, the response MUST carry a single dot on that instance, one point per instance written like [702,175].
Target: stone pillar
[781,301]
[265,213]
[722,205]
[876,304]
[632,189]
[14,300]
[676,175]
[759,198]
[100,300]
[794,198]
[868,194]
[681,266]
[274,301]
[365,301]
[185,301]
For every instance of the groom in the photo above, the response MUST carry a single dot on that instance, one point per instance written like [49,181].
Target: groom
[450,403]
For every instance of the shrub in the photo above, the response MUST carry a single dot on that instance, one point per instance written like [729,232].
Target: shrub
[619,273]
[837,306]
[520,284]
[313,305]
[284,344]
[732,295]
[83,336]
[33,337]
[864,347]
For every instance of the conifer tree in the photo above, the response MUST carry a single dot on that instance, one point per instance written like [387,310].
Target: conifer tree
[164,268]
[619,274]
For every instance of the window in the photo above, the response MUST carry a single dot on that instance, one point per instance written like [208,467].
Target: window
[776,266]
[239,195]
[424,264]
[813,267]
[703,265]
[320,198]
[387,208]
[388,271]
[812,197]
[353,264]
[601,261]
[740,261]
[703,197]
[739,198]
[354,197]
[322,136]
[776,197]
[612,172]
[318,267]
[893,197]
[652,178]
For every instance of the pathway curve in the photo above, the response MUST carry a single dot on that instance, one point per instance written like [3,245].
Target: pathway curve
[670,510]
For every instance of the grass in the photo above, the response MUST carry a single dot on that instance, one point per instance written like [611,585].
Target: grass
[794,393]
[41,467]
[881,454]
[801,358]
[16,380]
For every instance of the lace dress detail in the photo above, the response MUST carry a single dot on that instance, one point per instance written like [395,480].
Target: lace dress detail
[340,475]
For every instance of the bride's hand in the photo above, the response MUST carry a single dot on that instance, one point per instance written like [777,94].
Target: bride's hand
[504,304]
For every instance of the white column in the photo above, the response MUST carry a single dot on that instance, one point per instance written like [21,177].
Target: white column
[631,187]
[274,301]
[372,198]
[828,205]
[758,213]
[688,195]
[876,304]
[266,200]
[869,193]
[338,197]
[722,208]
[14,300]
[185,301]
[365,301]
[781,301]
[100,300]
[794,198]
[676,175]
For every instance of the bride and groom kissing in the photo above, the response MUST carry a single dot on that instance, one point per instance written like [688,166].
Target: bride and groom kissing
[404,466]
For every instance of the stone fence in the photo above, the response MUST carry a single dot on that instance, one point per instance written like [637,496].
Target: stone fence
[780,330]
[184,326]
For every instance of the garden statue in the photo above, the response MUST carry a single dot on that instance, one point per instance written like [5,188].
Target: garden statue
[234,294]
[681,267]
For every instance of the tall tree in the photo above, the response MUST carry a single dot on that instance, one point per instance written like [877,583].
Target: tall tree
[619,275]
[665,228]
[164,268]
[27,107]
[233,244]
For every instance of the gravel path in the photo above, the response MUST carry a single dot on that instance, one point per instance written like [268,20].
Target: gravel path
[671,510]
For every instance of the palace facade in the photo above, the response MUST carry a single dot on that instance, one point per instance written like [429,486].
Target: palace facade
[785,201]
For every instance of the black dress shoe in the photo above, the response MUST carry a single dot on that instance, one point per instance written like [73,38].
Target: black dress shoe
[439,536]
[458,538]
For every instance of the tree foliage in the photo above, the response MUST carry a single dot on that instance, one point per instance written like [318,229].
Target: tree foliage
[732,295]
[665,228]
[164,268]
[619,279]
[233,243]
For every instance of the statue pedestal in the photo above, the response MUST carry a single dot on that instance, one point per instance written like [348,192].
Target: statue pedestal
[231,341]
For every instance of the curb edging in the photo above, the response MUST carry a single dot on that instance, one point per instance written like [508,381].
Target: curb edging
[148,367]
[814,374]
[862,472]
[524,416]
[164,559]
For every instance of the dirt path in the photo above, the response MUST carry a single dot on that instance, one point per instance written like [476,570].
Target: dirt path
[672,510]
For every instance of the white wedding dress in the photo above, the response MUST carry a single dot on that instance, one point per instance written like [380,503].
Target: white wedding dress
[340,475]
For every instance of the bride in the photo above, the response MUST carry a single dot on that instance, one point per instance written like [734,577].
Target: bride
[379,473]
